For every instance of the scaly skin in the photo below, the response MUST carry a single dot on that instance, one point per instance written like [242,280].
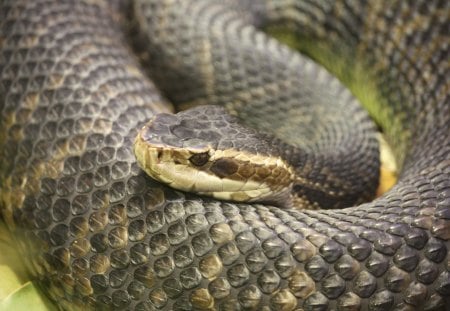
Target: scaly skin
[97,232]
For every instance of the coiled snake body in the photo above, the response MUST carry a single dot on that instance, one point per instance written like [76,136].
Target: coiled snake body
[98,233]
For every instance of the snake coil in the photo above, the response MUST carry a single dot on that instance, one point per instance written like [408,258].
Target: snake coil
[98,233]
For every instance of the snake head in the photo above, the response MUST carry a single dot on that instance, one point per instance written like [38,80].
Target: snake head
[207,151]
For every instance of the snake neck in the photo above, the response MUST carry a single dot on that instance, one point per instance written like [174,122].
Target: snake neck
[318,183]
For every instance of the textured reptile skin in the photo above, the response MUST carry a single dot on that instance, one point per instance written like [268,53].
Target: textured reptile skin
[98,233]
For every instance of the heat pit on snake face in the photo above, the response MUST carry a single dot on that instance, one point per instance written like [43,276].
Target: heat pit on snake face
[159,155]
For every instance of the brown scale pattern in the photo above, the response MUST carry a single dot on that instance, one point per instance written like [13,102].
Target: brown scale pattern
[95,231]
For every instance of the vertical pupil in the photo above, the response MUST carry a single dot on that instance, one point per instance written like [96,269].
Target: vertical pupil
[199,159]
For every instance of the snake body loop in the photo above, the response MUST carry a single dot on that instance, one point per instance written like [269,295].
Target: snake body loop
[98,233]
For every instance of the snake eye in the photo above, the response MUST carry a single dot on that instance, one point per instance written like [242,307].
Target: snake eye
[199,159]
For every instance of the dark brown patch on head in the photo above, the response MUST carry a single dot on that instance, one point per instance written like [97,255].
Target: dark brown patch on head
[224,167]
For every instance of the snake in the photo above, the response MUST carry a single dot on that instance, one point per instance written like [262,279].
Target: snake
[79,79]
[206,151]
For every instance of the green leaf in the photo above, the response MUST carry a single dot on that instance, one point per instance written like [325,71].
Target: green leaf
[27,297]
[17,291]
